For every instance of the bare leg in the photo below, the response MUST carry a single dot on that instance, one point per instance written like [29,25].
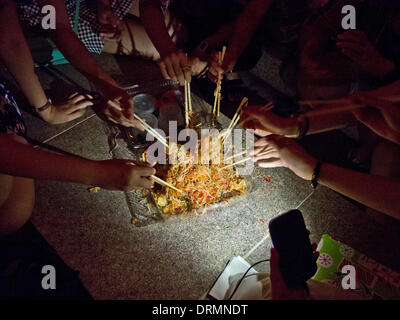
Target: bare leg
[17,198]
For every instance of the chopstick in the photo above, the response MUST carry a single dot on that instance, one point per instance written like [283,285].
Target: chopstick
[149,129]
[165,184]
[188,103]
[217,94]
[235,119]
[346,101]
[236,155]
[161,182]
[186,106]
[221,60]
[326,111]
[153,132]
[249,158]
[190,98]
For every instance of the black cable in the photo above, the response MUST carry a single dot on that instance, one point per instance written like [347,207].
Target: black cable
[244,275]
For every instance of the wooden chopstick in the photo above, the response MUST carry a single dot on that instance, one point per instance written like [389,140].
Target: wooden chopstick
[154,133]
[190,98]
[249,158]
[149,129]
[236,155]
[346,101]
[237,113]
[327,110]
[221,60]
[188,103]
[165,184]
[219,104]
[217,93]
[234,120]
[222,54]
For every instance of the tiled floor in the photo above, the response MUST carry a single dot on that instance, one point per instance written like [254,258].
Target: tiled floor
[179,259]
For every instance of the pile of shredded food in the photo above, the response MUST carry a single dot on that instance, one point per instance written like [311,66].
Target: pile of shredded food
[202,184]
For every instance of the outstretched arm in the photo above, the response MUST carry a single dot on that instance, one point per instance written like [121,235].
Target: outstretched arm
[266,122]
[22,160]
[174,63]
[379,193]
[243,30]
[74,50]
[15,54]
[154,23]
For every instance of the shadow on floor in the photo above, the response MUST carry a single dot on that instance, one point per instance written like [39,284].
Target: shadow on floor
[22,257]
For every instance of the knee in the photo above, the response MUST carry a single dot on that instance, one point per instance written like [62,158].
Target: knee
[14,215]
[17,210]
[17,204]
[10,227]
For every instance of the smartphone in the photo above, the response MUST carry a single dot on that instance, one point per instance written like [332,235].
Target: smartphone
[290,238]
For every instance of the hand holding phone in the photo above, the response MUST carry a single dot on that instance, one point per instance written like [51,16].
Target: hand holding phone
[290,238]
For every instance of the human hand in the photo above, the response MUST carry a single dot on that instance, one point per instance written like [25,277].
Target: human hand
[111,25]
[356,46]
[279,289]
[177,66]
[285,153]
[382,117]
[216,70]
[67,111]
[264,122]
[124,175]
[119,107]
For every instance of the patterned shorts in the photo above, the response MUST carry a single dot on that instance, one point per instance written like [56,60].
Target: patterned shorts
[88,27]
[11,121]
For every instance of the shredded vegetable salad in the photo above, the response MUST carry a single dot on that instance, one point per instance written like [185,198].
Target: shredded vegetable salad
[202,184]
